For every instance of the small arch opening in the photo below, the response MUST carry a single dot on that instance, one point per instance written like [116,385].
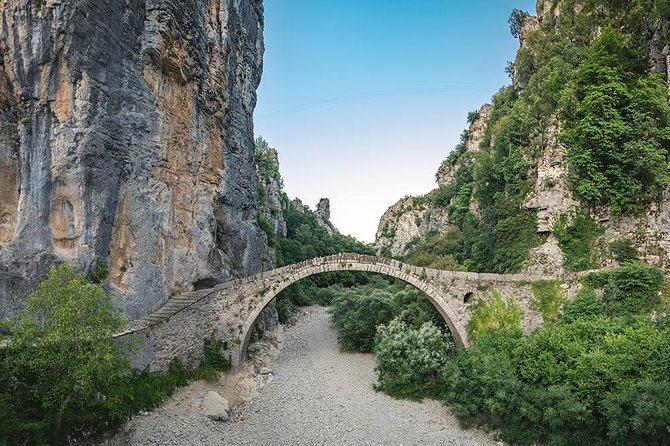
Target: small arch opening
[468,298]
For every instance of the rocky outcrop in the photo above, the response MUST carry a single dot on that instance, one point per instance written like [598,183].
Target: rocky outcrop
[413,219]
[550,195]
[407,222]
[322,213]
[475,133]
[126,140]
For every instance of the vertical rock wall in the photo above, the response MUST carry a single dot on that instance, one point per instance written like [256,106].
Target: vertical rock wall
[126,140]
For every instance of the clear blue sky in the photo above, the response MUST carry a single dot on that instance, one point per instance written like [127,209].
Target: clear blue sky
[363,99]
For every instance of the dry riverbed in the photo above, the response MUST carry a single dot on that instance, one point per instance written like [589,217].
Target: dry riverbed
[301,391]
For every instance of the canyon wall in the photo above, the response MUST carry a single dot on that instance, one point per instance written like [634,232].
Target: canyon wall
[126,144]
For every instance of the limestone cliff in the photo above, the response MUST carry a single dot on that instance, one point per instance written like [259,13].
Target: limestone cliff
[407,222]
[126,140]
[272,199]
[551,195]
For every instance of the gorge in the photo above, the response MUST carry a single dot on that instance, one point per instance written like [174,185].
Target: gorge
[527,291]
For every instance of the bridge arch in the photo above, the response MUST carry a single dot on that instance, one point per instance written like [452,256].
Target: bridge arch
[353,262]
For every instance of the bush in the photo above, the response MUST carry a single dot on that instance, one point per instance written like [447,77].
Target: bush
[284,309]
[357,316]
[630,289]
[357,312]
[583,382]
[496,315]
[623,251]
[269,231]
[62,363]
[640,415]
[410,361]
[214,360]
[585,304]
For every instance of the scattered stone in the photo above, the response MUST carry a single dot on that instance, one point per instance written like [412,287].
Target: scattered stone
[216,407]
[264,371]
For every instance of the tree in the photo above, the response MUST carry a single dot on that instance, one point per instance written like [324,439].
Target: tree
[516,19]
[62,362]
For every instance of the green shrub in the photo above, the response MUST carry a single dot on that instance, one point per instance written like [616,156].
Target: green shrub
[284,308]
[623,251]
[62,362]
[269,231]
[585,304]
[214,357]
[639,415]
[358,311]
[582,382]
[630,289]
[496,315]
[409,360]
[357,316]
[63,374]
[548,298]
[99,274]
[577,235]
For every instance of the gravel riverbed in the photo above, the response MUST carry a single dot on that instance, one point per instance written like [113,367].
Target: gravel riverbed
[315,395]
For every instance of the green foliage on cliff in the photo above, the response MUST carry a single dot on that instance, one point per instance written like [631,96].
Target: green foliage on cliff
[584,74]
[577,235]
[630,289]
[497,179]
[266,161]
[617,126]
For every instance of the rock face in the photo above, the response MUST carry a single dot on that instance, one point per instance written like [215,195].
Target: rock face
[413,219]
[447,170]
[406,222]
[272,200]
[322,213]
[551,195]
[126,140]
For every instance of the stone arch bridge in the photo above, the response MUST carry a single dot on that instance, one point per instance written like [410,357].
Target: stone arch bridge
[229,310]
